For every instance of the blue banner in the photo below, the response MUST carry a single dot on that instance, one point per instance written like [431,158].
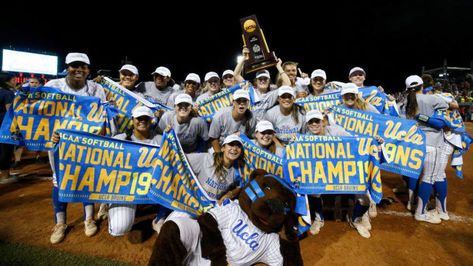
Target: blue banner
[101,169]
[404,141]
[208,107]
[370,94]
[258,158]
[457,157]
[321,102]
[334,165]
[125,102]
[41,111]
[174,184]
[449,118]
[9,132]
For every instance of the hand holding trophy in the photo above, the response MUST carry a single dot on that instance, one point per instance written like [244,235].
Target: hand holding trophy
[259,56]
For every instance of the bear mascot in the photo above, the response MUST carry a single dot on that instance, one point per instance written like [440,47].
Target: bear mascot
[259,228]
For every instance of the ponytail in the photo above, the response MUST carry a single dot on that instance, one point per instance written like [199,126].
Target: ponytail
[411,106]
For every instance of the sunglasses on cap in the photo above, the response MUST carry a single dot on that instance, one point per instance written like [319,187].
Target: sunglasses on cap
[349,96]
[314,121]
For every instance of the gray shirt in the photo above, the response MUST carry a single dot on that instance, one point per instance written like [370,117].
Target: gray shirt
[149,90]
[223,125]
[202,165]
[154,140]
[285,126]
[265,102]
[427,105]
[187,133]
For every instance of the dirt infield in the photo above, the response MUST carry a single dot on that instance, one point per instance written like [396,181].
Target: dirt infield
[26,216]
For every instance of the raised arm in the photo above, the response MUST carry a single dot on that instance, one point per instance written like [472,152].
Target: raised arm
[239,67]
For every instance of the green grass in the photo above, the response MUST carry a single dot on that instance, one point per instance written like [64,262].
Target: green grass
[19,254]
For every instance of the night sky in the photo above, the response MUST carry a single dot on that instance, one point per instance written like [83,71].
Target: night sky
[389,39]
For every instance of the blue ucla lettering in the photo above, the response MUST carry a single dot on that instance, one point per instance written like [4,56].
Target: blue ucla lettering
[250,240]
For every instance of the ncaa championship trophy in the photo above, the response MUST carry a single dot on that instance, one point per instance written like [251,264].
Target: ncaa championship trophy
[253,39]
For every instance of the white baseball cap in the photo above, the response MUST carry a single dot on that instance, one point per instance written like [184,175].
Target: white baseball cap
[264,125]
[263,73]
[163,71]
[228,72]
[356,69]
[349,88]
[238,94]
[313,114]
[194,77]
[210,75]
[183,98]
[318,73]
[77,57]
[413,81]
[232,138]
[142,111]
[286,89]
[130,68]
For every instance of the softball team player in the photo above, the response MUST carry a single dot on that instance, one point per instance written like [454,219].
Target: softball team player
[316,125]
[228,120]
[264,138]
[287,117]
[122,216]
[437,151]
[265,97]
[76,83]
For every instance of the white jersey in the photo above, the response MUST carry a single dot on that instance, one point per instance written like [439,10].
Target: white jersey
[90,89]
[245,243]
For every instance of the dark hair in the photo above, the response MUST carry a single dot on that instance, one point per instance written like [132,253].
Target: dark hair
[5,77]
[411,106]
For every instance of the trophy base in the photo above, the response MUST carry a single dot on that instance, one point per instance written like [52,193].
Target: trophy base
[260,65]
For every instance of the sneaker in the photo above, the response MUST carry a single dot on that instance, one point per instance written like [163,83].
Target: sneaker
[428,217]
[315,227]
[102,214]
[372,211]
[365,221]
[16,168]
[157,225]
[89,227]
[359,227]
[443,215]
[58,234]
